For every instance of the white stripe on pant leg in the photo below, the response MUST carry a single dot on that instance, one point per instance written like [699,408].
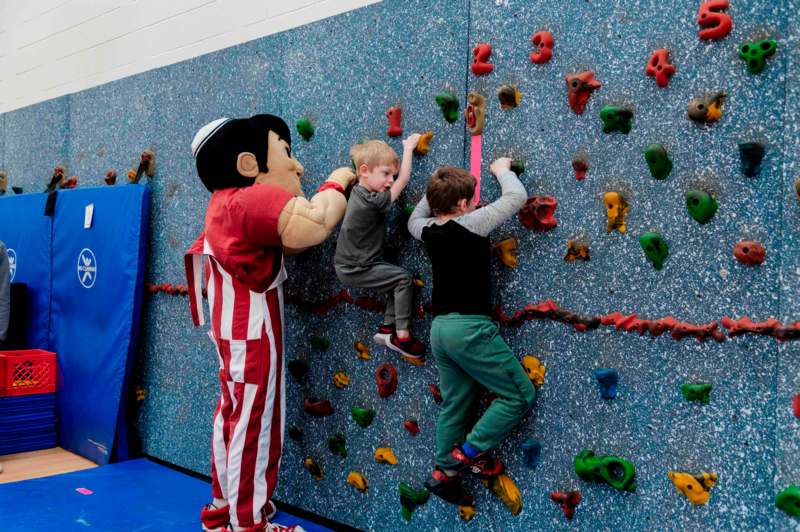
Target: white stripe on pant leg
[236,450]
[218,449]
[255,320]
[211,293]
[228,301]
[283,373]
[264,437]
[238,350]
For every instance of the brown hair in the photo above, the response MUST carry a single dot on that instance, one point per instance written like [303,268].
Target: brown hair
[374,153]
[448,186]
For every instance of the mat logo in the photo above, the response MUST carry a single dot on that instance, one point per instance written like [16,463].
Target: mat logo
[12,263]
[87,268]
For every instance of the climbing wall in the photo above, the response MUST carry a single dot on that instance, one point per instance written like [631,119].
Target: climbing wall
[344,73]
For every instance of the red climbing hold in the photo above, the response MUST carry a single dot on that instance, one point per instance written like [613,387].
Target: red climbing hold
[544,41]
[317,407]
[437,395]
[715,23]
[395,116]
[580,87]
[568,501]
[480,59]
[386,379]
[411,426]
[796,405]
[539,213]
[660,67]
[749,252]
[581,166]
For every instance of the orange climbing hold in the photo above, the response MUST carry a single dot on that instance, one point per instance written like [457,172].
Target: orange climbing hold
[507,252]
[424,143]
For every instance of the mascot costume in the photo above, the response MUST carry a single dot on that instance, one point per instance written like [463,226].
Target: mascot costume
[256,212]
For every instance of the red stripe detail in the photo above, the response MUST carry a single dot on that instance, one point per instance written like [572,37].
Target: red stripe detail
[216,312]
[244,504]
[241,310]
[188,263]
[216,489]
[234,420]
[276,443]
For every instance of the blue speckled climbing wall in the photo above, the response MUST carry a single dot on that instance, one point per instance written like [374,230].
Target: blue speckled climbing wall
[345,72]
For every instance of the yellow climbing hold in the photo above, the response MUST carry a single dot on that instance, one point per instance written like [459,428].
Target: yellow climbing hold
[696,488]
[507,251]
[466,512]
[424,143]
[362,350]
[616,210]
[419,283]
[313,468]
[507,491]
[341,380]
[385,455]
[534,369]
[358,481]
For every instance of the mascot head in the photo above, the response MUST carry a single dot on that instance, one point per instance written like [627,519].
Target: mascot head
[239,152]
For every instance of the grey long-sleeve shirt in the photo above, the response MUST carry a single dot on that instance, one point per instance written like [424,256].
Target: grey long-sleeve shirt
[5,292]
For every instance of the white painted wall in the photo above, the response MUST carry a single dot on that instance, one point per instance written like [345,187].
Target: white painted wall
[49,48]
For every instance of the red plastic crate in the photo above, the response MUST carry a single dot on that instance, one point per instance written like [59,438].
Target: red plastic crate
[27,372]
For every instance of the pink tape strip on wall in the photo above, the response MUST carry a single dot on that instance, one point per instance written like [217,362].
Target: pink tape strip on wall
[475,164]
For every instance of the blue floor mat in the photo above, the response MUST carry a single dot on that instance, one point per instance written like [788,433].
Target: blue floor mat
[132,496]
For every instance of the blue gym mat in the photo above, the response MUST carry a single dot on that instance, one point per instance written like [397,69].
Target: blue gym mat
[134,496]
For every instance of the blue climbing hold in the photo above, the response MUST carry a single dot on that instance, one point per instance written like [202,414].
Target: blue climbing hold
[607,379]
[531,449]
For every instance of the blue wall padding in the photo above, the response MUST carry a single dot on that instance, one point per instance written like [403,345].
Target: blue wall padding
[26,232]
[95,313]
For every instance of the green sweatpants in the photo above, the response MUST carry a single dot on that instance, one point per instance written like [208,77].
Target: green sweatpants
[469,351]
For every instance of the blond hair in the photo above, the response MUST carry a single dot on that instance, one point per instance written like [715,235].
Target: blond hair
[374,153]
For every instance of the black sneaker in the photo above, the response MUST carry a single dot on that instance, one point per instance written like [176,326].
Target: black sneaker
[449,489]
[484,465]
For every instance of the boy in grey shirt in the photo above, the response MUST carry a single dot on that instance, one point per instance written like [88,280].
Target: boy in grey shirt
[359,248]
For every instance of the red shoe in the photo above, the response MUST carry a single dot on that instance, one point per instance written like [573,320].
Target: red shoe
[216,519]
[449,489]
[483,465]
[411,349]
[384,334]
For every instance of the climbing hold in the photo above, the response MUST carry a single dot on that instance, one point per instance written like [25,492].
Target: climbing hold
[531,450]
[518,167]
[147,166]
[411,499]
[576,250]
[317,407]
[341,380]
[314,468]
[706,109]
[507,251]
[607,379]
[437,395]
[614,471]
[616,210]
[796,405]
[749,252]
[58,176]
[509,96]
[411,426]
[755,54]
[358,481]
[751,154]
[295,433]
[337,445]
[655,249]
[475,113]
[466,513]
[448,103]
[616,118]
[4,182]
[305,128]
[424,143]
[699,392]
[72,182]
[395,116]
[696,488]
[701,205]
[797,188]
[362,350]
[534,369]
[507,491]
[385,455]
[111,177]
[319,342]
[660,67]
[544,41]
[568,500]
[716,24]
[298,369]
[580,165]
[386,379]
[788,500]
[131,175]
[658,161]
[539,213]
[580,87]
[480,59]
[362,416]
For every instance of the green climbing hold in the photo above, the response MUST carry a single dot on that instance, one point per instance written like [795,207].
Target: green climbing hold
[318,342]
[755,54]
[518,167]
[616,118]
[363,416]
[410,499]
[788,500]
[701,205]
[616,472]
[408,209]
[658,161]
[699,392]
[655,249]
[448,103]
[305,128]
[337,445]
